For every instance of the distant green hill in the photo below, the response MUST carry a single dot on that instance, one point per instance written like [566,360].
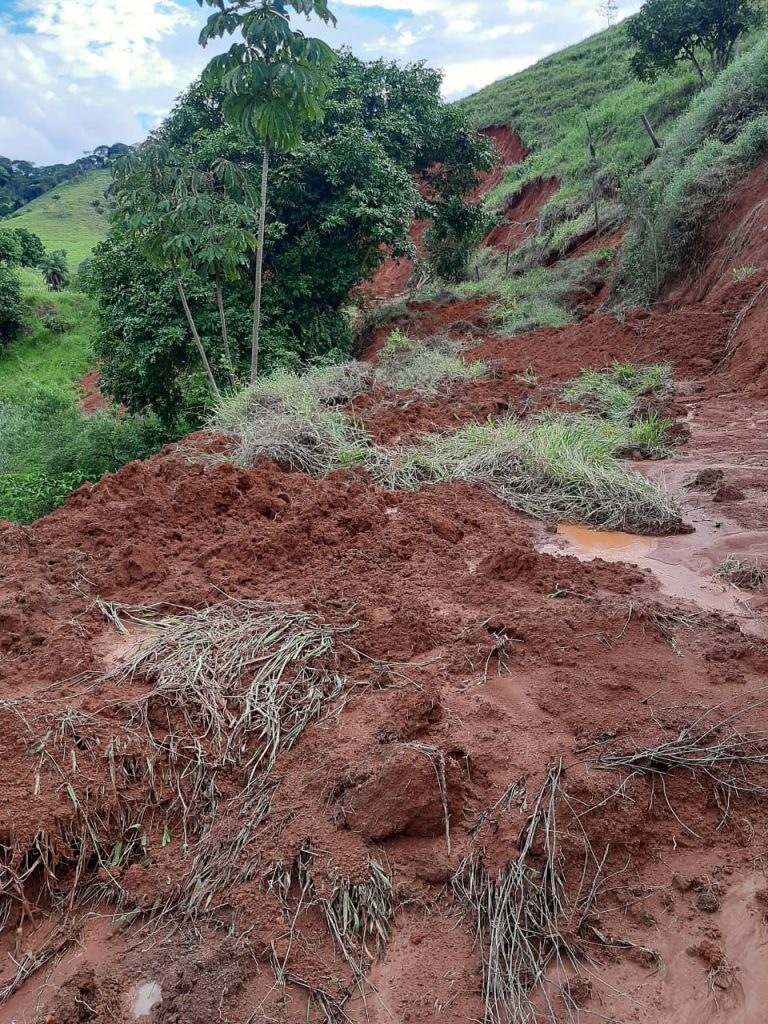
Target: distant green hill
[72,216]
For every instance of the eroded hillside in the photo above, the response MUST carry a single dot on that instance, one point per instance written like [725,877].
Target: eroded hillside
[374,745]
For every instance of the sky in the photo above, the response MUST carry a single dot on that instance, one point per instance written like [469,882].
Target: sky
[76,74]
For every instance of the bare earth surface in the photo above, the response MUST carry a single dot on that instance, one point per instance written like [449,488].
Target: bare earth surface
[482,651]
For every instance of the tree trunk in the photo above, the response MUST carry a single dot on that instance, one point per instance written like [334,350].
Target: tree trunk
[259,266]
[696,64]
[651,133]
[225,333]
[193,329]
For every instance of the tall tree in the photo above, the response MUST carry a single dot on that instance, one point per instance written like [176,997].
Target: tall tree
[274,82]
[667,32]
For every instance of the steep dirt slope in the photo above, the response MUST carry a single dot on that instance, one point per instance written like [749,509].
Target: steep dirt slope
[393,276]
[735,271]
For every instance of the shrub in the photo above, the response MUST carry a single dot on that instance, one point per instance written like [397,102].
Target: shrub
[47,448]
[56,324]
[11,305]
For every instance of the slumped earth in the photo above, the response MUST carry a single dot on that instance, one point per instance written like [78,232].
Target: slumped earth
[509,770]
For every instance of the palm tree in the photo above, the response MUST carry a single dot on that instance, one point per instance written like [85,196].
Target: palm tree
[274,81]
[55,270]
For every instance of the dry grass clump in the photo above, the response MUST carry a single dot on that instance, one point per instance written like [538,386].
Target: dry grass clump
[241,679]
[527,919]
[210,693]
[732,759]
[425,366]
[744,574]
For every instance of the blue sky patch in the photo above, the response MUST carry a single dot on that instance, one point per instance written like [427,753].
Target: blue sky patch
[380,14]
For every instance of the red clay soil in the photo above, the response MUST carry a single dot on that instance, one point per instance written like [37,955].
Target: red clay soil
[474,663]
[91,399]
[392,277]
[693,340]
[734,273]
[462,649]
[522,214]
[510,149]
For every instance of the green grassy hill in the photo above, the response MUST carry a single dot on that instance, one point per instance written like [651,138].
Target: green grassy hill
[558,104]
[580,113]
[72,216]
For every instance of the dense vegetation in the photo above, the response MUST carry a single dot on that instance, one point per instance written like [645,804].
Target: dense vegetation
[718,141]
[342,193]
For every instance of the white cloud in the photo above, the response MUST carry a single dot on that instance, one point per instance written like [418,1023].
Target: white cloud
[89,72]
[117,39]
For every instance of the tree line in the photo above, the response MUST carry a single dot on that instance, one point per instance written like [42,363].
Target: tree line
[21,181]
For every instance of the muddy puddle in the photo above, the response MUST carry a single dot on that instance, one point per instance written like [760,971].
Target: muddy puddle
[683,565]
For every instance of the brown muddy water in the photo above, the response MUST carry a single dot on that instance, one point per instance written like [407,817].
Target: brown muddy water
[683,565]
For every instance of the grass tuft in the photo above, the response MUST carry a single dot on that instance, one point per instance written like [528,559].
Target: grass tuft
[557,468]
[744,574]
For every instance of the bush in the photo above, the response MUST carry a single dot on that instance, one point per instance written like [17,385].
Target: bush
[32,248]
[11,305]
[47,448]
[56,324]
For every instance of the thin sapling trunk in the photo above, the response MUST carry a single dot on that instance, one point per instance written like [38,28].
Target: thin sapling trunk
[259,266]
[193,329]
[225,332]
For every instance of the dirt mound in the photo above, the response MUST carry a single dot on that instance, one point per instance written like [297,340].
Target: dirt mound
[522,214]
[463,653]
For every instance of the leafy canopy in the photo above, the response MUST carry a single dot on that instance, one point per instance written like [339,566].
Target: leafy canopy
[666,32]
[275,79]
[10,248]
[184,212]
[344,196]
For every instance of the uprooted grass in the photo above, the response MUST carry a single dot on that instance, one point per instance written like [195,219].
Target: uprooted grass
[537,919]
[617,394]
[239,676]
[209,694]
[557,468]
[527,919]
[614,392]
[358,913]
[424,366]
[742,573]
